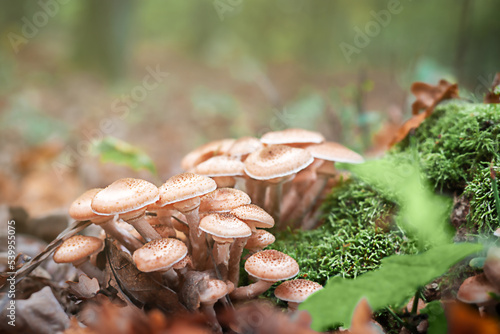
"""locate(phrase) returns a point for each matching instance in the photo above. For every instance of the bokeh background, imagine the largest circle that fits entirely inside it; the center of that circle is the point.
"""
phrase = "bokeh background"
(167, 76)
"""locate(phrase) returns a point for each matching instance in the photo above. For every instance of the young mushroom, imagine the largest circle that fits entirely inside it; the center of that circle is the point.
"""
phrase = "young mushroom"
(77, 250)
(293, 137)
(222, 169)
(477, 290)
(259, 240)
(128, 198)
(223, 200)
(296, 291)
(81, 210)
(269, 267)
(215, 290)
(183, 191)
(205, 152)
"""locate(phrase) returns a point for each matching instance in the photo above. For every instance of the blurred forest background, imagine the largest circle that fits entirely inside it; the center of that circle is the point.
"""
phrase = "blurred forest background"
(167, 76)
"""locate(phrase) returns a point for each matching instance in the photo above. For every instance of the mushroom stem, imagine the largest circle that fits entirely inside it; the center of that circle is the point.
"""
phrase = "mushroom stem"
(251, 291)
(196, 238)
(234, 260)
(221, 255)
(208, 310)
(172, 278)
(259, 193)
(274, 195)
(310, 198)
(144, 228)
(89, 269)
(293, 306)
(122, 236)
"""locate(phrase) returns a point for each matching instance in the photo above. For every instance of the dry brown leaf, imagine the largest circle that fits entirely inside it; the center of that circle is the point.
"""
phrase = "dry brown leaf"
(463, 319)
(491, 97)
(362, 322)
(85, 288)
(190, 291)
(76, 328)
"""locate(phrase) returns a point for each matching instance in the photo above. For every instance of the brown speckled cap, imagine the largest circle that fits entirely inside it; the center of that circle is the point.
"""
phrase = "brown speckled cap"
(124, 195)
(272, 266)
(292, 136)
(224, 225)
(205, 152)
(276, 161)
(81, 210)
(259, 240)
(185, 262)
(243, 146)
(76, 248)
(476, 290)
(220, 166)
(223, 200)
(297, 290)
(185, 186)
(331, 151)
(215, 290)
(159, 254)
(253, 214)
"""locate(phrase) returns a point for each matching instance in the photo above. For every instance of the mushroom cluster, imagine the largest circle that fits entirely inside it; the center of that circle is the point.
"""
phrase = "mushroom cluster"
(200, 221)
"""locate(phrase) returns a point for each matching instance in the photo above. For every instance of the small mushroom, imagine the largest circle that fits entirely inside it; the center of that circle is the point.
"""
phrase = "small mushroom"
(215, 290)
(268, 267)
(296, 291)
(223, 200)
(477, 290)
(77, 250)
(293, 137)
(259, 240)
(205, 152)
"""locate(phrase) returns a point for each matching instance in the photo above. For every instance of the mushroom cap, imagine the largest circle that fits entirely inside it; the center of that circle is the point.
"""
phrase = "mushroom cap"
(223, 200)
(224, 225)
(243, 146)
(254, 214)
(271, 265)
(185, 186)
(77, 248)
(205, 152)
(292, 136)
(297, 290)
(186, 261)
(159, 254)
(81, 208)
(124, 195)
(260, 239)
(475, 290)
(331, 151)
(224, 181)
(327, 168)
(215, 290)
(276, 161)
(220, 166)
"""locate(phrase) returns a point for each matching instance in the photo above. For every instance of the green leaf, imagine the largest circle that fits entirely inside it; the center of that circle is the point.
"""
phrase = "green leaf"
(397, 279)
(111, 149)
(436, 318)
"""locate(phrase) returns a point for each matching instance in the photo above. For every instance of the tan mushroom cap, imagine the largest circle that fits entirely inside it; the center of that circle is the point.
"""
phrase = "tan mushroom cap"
(223, 200)
(260, 239)
(243, 146)
(159, 254)
(124, 195)
(186, 261)
(215, 290)
(254, 214)
(476, 290)
(276, 161)
(185, 186)
(331, 151)
(205, 152)
(81, 208)
(224, 225)
(77, 248)
(297, 290)
(292, 136)
(220, 166)
(272, 266)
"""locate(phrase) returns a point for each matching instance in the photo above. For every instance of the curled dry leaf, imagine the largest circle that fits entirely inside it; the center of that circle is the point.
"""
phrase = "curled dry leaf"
(463, 319)
(428, 97)
(493, 95)
(85, 288)
(362, 322)
(190, 292)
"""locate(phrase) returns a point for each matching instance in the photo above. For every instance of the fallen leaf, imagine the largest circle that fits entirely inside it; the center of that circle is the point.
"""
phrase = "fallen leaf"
(362, 322)
(463, 319)
(493, 95)
(190, 291)
(85, 288)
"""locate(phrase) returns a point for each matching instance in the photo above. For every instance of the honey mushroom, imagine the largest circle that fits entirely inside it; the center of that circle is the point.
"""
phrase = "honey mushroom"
(259, 240)
(296, 291)
(222, 169)
(128, 198)
(205, 152)
(215, 290)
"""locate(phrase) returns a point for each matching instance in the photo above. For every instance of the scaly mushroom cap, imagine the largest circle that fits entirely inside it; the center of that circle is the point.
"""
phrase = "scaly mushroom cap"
(331, 151)
(254, 214)
(297, 290)
(292, 136)
(77, 248)
(224, 225)
(81, 208)
(276, 161)
(159, 254)
(272, 266)
(124, 195)
(244, 145)
(186, 261)
(215, 290)
(260, 239)
(205, 152)
(476, 290)
(223, 200)
(220, 166)
(185, 186)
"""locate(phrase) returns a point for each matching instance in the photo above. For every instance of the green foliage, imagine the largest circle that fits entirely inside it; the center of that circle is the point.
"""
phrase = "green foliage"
(397, 279)
(436, 318)
(111, 149)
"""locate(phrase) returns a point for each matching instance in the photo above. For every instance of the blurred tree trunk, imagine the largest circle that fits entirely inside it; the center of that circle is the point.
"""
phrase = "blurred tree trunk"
(102, 36)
